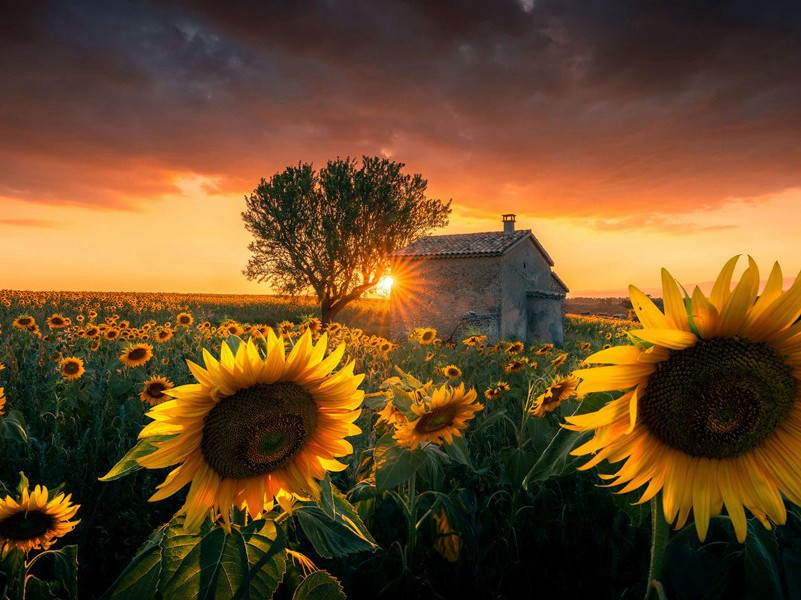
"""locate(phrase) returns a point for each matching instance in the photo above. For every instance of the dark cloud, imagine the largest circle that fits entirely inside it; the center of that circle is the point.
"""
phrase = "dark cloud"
(590, 109)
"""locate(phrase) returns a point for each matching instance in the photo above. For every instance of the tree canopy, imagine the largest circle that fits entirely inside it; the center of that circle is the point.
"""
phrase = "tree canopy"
(334, 231)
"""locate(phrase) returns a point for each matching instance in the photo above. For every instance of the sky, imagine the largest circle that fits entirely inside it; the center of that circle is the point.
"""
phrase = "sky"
(628, 135)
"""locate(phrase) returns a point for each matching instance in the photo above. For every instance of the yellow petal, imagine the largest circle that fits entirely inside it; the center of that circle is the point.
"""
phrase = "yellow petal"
(722, 287)
(669, 338)
(675, 309)
(647, 312)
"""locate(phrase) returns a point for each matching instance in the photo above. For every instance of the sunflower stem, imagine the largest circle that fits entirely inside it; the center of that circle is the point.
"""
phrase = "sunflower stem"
(660, 534)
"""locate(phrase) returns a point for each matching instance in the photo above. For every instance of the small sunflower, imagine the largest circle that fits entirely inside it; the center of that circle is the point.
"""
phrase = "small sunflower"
(544, 349)
(92, 331)
(710, 414)
(516, 365)
(390, 414)
(557, 392)
(71, 368)
(57, 321)
(253, 426)
(34, 520)
(136, 355)
(2, 401)
(559, 360)
(112, 333)
(163, 335)
(184, 319)
(515, 348)
(444, 416)
(153, 392)
(474, 340)
(452, 372)
(427, 336)
(23, 322)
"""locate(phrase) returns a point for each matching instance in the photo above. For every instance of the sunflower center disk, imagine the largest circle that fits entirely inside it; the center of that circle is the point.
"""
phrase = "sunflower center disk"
(437, 419)
(22, 526)
(719, 398)
(258, 430)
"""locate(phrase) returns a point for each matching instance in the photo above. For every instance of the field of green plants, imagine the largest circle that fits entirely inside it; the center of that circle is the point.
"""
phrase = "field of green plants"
(499, 511)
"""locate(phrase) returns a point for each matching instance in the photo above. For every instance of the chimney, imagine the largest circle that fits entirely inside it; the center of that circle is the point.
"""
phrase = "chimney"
(508, 223)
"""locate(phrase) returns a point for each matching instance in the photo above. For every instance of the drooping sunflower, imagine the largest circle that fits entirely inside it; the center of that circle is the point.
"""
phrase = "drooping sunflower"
(559, 360)
(154, 390)
(451, 371)
(516, 365)
(390, 414)
(252, 426)
(2, 401)
(34, 520)
(710, 414)
(184, 319)
(447, 541)
(559, 390)
(544, 349)
(136, 355)
(515, 348)
(71, 368)
(441, 418)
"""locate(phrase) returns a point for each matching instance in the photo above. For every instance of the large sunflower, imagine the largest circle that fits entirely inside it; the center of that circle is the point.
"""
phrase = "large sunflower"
(253, 426)
(34, 521)
(439, 419)
(710, 414)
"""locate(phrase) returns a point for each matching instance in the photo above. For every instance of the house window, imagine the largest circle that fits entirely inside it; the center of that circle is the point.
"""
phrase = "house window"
(524, 265)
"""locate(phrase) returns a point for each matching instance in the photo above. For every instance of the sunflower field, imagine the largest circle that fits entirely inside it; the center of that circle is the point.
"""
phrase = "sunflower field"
(182, 446)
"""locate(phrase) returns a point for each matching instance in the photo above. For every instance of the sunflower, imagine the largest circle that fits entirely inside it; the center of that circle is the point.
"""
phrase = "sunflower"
(57, 321)
(284, 327)
(447, 542)
(439, 419)
(710, 414)
(23, 322)
(254, 426)
(559, 360)
(112, 333)
(153, 392)
(390, 414)
(559, 390)
(163, 335)
(515, 348)
(544, 349)
(452, 372)
(2, 401)
(184, 319)
(71, 368)
(92, 331)
(516, 365)
(136, 355)
(34, 521)
(474, 340)
(333, 327)
(427, 336)
(494, 392)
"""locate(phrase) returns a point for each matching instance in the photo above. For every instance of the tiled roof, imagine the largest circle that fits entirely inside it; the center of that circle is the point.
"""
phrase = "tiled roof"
(545, 294)
(464, 245)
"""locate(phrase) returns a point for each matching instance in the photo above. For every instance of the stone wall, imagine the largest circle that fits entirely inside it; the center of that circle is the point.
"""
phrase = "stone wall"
(545, 320)
(523, 268)
(440, 292)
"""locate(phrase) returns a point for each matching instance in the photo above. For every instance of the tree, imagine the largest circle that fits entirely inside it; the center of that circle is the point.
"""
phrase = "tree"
(334, 231)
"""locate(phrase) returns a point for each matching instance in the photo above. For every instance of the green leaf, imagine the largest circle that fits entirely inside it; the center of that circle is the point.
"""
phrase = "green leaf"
(516, 464)
(344, 534)
(66, 570)
(320, 585)
(458, 452)
(761, 562)
(128, 463)
(556, 459)
(210, 564)
(12, 427)
(247, 563)
(326, 499)
(140, 579)
(394, 464)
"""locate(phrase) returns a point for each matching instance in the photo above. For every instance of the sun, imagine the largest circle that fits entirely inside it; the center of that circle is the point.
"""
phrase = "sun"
(384, 286)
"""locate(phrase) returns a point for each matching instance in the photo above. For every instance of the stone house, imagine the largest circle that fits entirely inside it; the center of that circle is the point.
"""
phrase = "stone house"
(498, 283)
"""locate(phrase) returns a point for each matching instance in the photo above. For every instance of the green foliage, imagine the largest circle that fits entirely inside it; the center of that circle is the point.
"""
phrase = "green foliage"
(319, 586)
(334, 230)
(248, 562)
